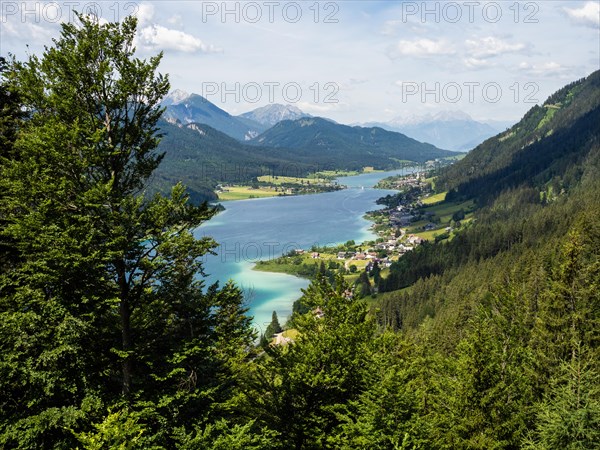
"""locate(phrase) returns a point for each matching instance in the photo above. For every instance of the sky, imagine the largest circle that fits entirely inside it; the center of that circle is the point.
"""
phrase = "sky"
(351, 61)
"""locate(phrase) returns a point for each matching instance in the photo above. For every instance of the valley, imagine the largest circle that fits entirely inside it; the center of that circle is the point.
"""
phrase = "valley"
(199, 135)
(182, 274)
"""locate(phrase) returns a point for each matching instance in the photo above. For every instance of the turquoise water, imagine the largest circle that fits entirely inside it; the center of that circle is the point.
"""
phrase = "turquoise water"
(259, 229)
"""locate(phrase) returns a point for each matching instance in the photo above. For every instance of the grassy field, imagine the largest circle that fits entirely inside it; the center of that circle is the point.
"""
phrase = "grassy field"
(430, 235)
(288, 267)
(329, 174)
(551, 110)
(272, 266)
(291, 180)
(245, 192)
(445, 210)
(437, 198)
(457, 157)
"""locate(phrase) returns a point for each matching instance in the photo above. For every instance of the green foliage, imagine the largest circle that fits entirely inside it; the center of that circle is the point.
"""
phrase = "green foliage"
(119, 430)
(226, 436)
(273, 328)
(303, 387)
(489, 394)
(569, 415)
(104, 301)
(11, 116)
(386, 414)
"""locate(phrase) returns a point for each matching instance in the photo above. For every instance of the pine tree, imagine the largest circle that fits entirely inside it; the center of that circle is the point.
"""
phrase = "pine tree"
(303, 388)
(273, 328)
(569, 416)
(569, 311)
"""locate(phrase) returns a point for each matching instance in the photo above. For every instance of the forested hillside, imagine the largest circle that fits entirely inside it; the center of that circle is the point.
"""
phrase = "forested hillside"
(329, 142)
(515, 294)
(109, 337)
(514, 178)
(546, 148)
(201, 157)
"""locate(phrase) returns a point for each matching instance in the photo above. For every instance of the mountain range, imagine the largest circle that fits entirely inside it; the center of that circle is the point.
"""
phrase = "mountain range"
(185, 108)
(202, 157)
(452, 130)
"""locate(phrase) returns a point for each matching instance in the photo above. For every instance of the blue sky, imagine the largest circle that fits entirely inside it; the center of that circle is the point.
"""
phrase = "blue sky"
(352, 61)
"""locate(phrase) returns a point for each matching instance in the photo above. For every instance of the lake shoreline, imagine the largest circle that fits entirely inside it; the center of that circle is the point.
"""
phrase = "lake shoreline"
(249, 231)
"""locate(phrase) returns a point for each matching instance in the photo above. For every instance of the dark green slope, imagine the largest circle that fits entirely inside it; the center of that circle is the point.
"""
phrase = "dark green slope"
(533, 189)
(546, 144)
(201, 157)
(357, 147)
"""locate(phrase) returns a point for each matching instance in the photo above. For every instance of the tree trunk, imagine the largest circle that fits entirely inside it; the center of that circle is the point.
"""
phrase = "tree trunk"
(126, 339)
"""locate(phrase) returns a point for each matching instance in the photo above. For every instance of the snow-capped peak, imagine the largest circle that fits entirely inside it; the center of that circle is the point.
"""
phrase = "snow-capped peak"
(271, 114)
(175, 97)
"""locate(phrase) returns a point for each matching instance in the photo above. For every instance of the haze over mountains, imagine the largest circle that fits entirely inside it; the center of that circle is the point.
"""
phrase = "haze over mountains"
(454, 130)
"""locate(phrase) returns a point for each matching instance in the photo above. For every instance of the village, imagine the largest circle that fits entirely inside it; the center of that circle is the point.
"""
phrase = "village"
(408, 219)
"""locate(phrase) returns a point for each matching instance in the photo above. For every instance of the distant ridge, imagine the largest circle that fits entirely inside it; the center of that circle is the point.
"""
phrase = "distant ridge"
(356, 146)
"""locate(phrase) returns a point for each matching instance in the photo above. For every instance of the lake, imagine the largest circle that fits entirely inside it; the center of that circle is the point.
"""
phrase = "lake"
(250, 230)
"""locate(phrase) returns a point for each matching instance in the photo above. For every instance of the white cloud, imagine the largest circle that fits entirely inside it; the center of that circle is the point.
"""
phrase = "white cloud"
(420, 48)
(351, 83)
(476, 63)
(320, 108)
(588, 14)
(490, 46)
(162, 38)
(144, 14)
(29, 32)
(550, 68)
(389, 27)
